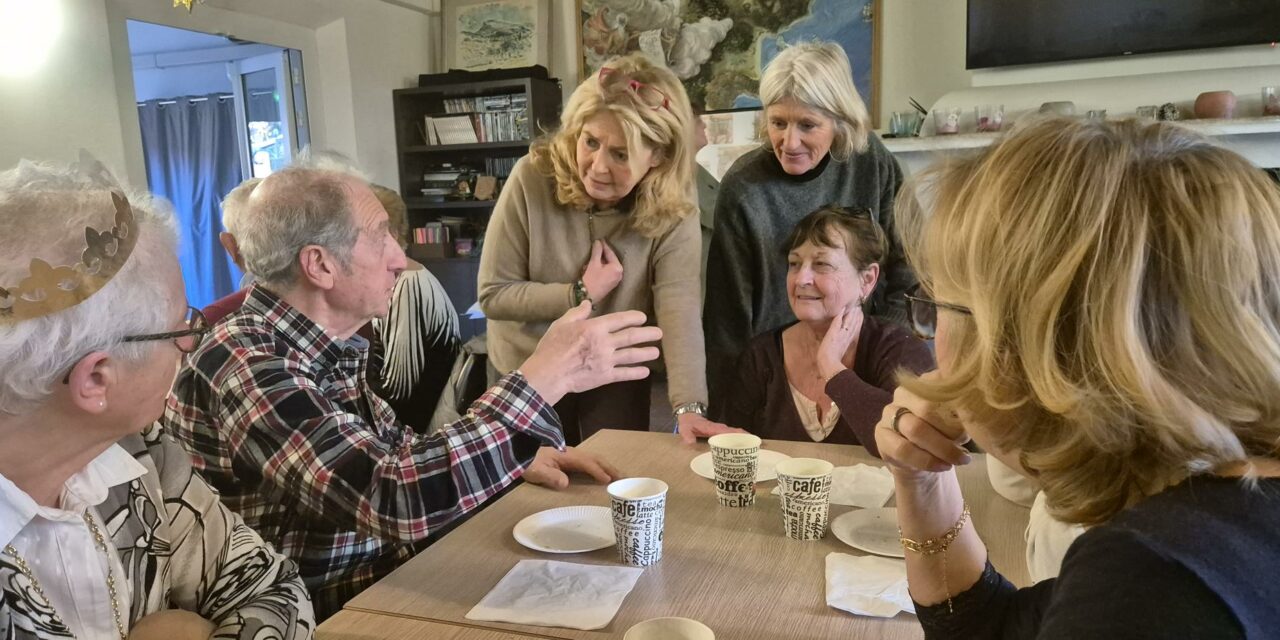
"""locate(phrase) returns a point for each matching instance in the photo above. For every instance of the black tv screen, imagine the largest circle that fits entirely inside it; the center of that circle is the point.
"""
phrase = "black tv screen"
(1012, 32)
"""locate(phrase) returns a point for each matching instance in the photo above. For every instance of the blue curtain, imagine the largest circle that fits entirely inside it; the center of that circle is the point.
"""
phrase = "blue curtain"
(192, 161)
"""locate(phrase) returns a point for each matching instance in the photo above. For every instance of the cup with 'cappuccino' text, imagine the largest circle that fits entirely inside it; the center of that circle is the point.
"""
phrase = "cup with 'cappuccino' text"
(639, 507)
(735, 457)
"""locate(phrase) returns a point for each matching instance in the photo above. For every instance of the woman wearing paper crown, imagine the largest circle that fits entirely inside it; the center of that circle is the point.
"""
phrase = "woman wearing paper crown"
(602, 211)
(105, 532)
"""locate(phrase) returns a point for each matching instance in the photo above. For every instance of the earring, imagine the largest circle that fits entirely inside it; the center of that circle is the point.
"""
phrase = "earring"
(102, 404)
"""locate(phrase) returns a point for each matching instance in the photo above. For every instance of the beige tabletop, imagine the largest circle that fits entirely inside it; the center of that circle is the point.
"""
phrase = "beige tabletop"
(358, 625)
(732, 569)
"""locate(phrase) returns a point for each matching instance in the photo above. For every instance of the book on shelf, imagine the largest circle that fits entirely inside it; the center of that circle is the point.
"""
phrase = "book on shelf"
(456, 129)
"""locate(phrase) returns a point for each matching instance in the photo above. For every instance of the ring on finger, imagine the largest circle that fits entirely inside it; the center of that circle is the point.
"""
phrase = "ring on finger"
(897, 415)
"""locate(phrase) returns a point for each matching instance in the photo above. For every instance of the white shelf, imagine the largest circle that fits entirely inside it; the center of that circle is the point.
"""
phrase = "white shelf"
(1234, 127)
(940, 143)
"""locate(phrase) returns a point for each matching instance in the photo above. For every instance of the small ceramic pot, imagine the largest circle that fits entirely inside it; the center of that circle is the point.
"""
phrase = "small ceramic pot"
(1169, 111)
(1215, 104)
(1059, 108)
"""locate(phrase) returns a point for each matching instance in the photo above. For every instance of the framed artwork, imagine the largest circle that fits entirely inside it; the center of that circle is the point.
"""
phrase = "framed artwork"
(719, 47)
(495, 34)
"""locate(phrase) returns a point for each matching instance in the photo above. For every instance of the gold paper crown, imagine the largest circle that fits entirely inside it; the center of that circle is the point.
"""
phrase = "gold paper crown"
(48, 289)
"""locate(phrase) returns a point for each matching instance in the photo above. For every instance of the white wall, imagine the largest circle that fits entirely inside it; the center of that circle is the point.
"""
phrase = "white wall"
(84, 95)
(70, 102)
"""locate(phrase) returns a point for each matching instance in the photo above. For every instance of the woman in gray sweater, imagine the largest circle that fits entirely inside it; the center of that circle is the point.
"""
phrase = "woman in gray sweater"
(821, 151)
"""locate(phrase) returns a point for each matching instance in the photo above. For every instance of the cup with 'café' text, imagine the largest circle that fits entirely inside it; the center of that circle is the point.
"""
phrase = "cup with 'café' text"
(805, 485)
(639, 507)
(735, 457)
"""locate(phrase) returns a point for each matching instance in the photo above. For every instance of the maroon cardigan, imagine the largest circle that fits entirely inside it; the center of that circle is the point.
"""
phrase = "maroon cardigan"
(761, 400)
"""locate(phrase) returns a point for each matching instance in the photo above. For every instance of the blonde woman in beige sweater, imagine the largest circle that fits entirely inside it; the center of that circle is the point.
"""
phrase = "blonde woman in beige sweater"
(603, 209)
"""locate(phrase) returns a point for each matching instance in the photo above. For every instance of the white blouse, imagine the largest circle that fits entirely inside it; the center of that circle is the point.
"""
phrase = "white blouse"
(59, 548)
(818, 428)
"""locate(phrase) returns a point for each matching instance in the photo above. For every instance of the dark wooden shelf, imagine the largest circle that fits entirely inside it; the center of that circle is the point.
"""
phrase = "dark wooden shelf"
(423, 203)
(516, 145)
(455, 259)
(410, 106)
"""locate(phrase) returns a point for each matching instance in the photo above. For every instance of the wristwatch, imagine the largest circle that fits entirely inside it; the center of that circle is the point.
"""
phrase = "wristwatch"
(580, 294)
(691, 407)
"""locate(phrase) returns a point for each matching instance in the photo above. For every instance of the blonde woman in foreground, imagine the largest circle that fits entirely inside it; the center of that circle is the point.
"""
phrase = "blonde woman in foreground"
(1106, 301)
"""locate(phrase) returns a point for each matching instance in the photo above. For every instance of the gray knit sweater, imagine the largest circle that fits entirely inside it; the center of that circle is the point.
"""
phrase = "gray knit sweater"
(758, 205)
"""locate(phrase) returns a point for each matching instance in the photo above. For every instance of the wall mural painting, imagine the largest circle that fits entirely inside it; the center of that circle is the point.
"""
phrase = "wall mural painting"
(718, 47)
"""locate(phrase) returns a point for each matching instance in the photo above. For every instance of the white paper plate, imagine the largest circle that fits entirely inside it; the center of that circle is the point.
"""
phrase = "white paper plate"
(566, 530)
(703, 466)
(872, 530)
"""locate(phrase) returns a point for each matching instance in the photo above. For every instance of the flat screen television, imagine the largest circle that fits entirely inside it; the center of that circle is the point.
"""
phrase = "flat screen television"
(1014, 32)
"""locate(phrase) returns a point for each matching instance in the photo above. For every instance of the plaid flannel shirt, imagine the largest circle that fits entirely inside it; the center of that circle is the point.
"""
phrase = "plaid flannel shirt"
(280, 419)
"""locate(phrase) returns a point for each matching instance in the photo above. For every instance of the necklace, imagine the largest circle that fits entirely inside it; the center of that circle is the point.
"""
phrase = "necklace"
(101, 543)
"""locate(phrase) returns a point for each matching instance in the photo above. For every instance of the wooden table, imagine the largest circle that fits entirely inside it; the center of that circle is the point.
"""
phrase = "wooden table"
(357, 625)
(732, 569)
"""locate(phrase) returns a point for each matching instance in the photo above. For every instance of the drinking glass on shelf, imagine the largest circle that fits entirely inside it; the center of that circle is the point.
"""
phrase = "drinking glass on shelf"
(990, 117)
(1270, 101)
(946, 121)
(904, 124)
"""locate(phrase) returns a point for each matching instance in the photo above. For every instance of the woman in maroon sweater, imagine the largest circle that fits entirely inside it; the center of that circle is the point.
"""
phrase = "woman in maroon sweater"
(827, 377)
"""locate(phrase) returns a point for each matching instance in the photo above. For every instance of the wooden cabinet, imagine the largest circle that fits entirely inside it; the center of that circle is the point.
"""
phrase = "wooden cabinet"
(541, 99)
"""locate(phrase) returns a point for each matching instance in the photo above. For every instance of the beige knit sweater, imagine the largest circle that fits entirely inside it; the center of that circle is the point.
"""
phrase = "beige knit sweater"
(535, 249)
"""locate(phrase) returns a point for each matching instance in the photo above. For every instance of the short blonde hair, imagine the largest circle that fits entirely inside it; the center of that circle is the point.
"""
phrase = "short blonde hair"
(818, 75)
(665, 195)
(1124, 282)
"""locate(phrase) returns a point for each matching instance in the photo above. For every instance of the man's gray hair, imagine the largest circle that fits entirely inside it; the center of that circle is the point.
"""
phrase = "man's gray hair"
(290, 210)
(234, 203)
(44, 210)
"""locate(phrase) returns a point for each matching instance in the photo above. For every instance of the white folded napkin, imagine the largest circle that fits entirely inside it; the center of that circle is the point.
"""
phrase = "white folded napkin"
(868, 585)
(548, 593)
(861, 485)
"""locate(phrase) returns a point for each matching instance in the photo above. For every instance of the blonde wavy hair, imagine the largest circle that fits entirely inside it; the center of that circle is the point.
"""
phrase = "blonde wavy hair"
(1124, 283)
(664, 196)
(817, 74)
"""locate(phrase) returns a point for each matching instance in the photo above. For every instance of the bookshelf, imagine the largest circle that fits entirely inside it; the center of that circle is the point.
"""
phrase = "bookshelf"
(417, 156)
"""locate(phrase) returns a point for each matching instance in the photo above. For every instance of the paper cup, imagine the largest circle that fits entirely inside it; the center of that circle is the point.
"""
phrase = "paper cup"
(639, 508)
(805, 485)
(670, 629)
(735, 457)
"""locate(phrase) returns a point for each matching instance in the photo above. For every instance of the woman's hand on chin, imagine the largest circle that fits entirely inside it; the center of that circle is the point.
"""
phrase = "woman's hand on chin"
(919, 438)
(841, 335)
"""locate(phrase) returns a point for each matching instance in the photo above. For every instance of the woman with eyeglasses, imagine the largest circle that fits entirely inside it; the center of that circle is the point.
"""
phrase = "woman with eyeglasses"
(827, 376)
(602, 212)
(105, 531)
(821, 150)
(1106, 304)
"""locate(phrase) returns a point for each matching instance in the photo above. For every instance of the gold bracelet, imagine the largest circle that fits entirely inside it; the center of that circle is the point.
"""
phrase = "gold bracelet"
(938, 545)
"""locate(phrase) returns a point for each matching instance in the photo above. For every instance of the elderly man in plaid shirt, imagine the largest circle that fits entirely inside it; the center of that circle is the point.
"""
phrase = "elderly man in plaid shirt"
(276, 411)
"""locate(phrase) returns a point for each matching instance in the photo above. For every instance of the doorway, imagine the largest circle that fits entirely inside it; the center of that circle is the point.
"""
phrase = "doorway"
(214, 110)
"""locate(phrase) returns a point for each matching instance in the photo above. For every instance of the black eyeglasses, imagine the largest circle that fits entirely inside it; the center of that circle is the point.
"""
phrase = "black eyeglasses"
(922, 312)
(197, 328)
(186, 340)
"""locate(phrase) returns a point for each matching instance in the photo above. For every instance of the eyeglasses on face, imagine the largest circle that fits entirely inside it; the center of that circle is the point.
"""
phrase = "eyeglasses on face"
(922, 312)
(186, 340)
(649, 95)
